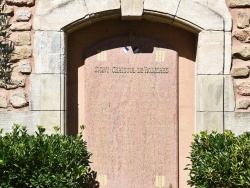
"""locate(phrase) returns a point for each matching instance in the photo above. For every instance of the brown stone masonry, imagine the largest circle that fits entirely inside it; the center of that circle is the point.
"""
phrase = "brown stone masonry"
(15, 96)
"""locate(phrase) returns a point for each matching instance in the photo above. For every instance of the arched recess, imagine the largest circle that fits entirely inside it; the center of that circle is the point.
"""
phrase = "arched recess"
(63, 24)
(184, 43)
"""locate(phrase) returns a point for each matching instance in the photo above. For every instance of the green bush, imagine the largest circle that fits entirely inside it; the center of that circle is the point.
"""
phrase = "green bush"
(43, 161)
(6, 48)
(220, 160)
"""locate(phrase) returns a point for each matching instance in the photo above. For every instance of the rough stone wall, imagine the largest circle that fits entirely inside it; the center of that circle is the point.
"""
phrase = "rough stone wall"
(240, 11)
(15, 96)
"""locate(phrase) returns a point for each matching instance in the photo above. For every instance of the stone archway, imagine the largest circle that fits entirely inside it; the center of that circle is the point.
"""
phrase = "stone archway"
(210, 20)
(79, 43)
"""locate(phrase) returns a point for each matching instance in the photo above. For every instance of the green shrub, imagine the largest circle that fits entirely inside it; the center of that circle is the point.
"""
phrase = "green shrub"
(220, 160)
(6, 48)
(42, 160)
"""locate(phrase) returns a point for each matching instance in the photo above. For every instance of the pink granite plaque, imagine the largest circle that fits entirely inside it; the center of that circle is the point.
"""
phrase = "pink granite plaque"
(131, 113)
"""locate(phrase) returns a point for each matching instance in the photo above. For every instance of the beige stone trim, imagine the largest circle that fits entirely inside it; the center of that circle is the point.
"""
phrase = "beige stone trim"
(237, 121)
(57, 16)
(209, 93)
(209, 121)
(209, 18)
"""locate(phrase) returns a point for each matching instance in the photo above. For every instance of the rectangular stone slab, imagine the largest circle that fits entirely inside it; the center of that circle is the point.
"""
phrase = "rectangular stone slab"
(131, 112)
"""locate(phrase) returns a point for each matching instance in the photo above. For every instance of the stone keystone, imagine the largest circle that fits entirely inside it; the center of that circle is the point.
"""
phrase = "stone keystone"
(21, 52)
(20, 26)
(242, 35)
(243, 88)
(239, 3)
(3, 101)
(18, 100)
(242, 20)
(240, 72)
(21, 2)
(242, 53)
(23, 39)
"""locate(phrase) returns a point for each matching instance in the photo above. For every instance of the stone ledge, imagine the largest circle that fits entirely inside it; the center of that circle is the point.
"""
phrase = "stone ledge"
(31, 119)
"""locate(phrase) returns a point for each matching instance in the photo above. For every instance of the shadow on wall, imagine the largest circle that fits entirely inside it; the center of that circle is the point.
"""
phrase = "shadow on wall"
(80, 41)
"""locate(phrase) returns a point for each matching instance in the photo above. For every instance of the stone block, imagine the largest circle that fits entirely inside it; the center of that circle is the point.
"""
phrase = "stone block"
(19, 99)
(49, 41)
(100, 5)
(56, 15)
(28, 119)
(19, 81)
(243, 104)
(49, 52)
(47, 92)
(20, 26)
(200, 15)
(3, 101)
(49, 119)
(221, 8)
(23, 39)
(210, 52)
(15, 83)
(8, 11)
(242, 35)
(239, 3)
(228, 53)
(132, 9)
(24, 66)
(49, 63)
(161, 6)
(21, 52)
(210, 121)
(242, 20)
(35, 92)
(21, 2)
(229, 97)
(242, 52)
(210, 93)
(238, 122)
(23, 15)
(242, 87)
(242, 72)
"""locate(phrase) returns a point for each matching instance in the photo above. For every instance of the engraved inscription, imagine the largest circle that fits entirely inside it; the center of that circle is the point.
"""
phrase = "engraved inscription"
(154, 70)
